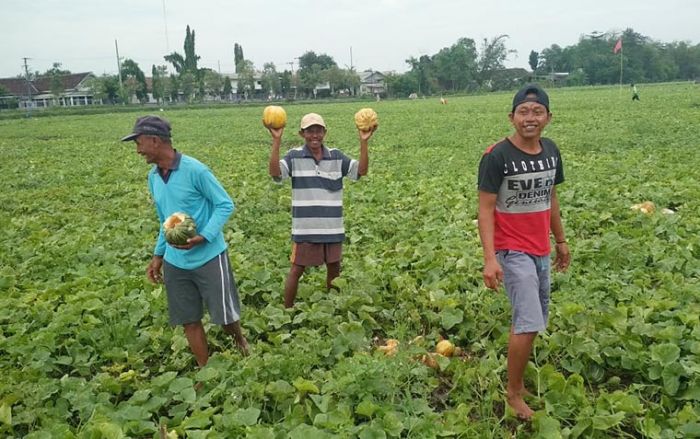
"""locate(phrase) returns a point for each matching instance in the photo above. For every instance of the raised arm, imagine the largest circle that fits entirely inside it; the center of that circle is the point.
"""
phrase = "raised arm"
(274, 165)
(363, 166)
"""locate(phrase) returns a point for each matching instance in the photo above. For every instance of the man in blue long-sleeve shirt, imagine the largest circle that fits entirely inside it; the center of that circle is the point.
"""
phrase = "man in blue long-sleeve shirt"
(197, 272)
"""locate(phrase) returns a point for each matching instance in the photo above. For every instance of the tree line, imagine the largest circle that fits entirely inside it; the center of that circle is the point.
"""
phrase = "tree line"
(190, 83)
(461, 67)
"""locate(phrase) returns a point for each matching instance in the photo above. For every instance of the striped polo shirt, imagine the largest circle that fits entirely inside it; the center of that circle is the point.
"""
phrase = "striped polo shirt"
(317, 193)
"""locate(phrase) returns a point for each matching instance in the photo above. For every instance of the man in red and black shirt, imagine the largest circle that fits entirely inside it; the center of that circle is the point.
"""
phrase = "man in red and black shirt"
(518, 208)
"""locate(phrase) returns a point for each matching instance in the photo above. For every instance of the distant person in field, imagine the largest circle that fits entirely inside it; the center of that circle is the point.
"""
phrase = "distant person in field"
(317, 175)
(198, 272)
(635, 93)
(518, 208)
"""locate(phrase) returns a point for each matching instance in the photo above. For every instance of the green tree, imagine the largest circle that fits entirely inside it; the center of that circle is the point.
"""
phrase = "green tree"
(552, 59)
(213, 83)
(159, 75)
(334, 76)
(401, 85)
(246, 79)
(349, 80)
(455, 67)
(56, 75)
(534, 60)
(191, 57)
(492, 57)
(286, 83)
(270, 79)
(592, 60)
(134, 80)
(423, 70)
(237, 55)
(188, 86)
(172, 88)
(227, 90)
(188, 62)
(177, 60)
(312, 69)
(687, 59)
(105, 88)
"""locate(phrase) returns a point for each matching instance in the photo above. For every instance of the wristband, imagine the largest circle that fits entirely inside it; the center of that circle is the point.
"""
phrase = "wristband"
(561, 242)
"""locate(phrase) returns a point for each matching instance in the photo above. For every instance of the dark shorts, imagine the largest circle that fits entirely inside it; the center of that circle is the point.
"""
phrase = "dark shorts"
(211, 284)
(309, 254)
(526, 278)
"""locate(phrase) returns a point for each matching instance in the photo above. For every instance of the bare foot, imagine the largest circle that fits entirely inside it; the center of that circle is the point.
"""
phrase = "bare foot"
(242, 346)
(526, 394)
(521, 409)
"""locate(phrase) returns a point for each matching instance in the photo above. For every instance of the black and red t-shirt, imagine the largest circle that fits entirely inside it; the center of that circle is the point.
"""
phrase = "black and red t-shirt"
(524, 185)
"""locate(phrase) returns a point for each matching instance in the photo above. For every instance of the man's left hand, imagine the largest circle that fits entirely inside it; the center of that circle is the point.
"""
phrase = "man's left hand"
(562, 258)
(191, 243)
(365, 135)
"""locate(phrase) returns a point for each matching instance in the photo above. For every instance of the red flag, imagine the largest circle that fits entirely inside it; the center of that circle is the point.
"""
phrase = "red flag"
(618, 46)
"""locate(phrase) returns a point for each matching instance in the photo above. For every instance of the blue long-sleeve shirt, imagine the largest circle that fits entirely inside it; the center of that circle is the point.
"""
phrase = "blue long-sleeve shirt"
(191, 187)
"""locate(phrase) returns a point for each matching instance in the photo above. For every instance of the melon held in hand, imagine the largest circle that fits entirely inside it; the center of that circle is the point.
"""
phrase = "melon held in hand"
(366, 119)
(178, 228)
(274, 117)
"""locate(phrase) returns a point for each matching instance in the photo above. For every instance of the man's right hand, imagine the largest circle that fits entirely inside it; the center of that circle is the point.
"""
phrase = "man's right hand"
(154, 270)
(493, 274)
(276, 133)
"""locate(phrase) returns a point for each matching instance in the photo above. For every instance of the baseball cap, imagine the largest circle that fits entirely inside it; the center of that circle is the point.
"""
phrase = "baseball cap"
(149, 125)
(540, 96)
(312, 119)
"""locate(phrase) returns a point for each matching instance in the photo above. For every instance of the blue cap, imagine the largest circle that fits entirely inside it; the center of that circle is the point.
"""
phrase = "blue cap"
(531, 93)
(150, 126)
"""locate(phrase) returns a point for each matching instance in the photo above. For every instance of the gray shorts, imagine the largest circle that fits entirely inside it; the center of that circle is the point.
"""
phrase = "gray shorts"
(211, 284)
(526, 278)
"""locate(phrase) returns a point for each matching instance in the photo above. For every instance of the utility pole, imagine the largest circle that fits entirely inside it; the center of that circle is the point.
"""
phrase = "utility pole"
(119, 68)
(29, 88)
(351, 66)
(294, 79)
(165, 19)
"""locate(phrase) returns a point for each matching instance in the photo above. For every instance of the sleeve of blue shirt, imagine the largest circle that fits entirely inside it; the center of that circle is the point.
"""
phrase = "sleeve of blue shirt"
(212, 190)
(159, 250)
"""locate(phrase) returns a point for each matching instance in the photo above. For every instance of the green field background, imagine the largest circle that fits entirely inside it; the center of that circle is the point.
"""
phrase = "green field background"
(86, 350)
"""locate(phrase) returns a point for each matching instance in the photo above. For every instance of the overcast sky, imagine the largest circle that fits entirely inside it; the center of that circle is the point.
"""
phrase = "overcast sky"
(81, 34)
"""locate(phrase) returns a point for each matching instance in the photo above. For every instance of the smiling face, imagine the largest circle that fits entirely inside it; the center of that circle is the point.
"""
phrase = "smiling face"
(529, 119)
(147, 147)
(313, 136)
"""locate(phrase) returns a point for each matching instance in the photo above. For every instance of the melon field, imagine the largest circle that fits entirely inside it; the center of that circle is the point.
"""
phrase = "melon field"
(85, 346)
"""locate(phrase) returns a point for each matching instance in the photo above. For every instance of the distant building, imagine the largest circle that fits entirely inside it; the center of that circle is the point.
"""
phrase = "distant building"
(74, 91)
(372, 82)
(503, 79)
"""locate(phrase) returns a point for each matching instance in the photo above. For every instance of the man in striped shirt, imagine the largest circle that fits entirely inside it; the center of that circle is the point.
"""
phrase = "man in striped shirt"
(317, 198)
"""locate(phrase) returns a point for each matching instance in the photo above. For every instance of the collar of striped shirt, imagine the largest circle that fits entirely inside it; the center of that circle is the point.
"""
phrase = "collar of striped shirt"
(306, 152)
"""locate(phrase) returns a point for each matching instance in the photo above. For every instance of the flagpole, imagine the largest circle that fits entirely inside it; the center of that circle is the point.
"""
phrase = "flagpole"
(621, 49)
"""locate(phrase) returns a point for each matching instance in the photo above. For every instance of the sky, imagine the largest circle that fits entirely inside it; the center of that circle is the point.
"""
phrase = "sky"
(365, 34)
